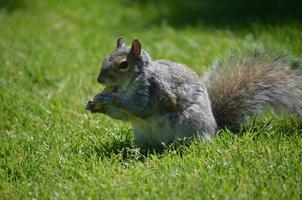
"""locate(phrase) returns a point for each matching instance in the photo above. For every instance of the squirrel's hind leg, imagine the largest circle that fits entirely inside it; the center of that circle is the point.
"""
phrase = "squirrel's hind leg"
(195, 122)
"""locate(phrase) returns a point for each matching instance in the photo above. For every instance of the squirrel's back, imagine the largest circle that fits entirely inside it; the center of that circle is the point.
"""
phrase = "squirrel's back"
(245, 84)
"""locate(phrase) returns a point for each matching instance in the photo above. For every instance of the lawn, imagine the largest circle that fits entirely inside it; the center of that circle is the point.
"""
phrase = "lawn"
(52, 148)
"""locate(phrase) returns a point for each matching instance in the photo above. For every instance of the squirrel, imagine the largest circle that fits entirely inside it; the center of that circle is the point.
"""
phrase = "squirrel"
(165, 101)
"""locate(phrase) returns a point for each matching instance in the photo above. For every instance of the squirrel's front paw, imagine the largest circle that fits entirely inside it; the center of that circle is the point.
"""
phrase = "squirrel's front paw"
(103, 98)
(94, 106)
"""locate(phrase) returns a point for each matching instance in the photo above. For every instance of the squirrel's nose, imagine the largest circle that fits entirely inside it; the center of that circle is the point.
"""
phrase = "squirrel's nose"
(100, 80)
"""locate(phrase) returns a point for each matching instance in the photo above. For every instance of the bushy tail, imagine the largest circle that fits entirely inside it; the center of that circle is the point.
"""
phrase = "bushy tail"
(247, 83)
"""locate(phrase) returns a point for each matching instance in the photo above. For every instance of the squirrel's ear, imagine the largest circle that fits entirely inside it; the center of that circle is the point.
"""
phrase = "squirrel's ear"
(136, 48)
(120, 42)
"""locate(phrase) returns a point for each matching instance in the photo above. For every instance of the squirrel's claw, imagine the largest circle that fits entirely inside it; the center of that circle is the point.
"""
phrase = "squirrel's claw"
(98, 102)
(89, 105)
(93, 106)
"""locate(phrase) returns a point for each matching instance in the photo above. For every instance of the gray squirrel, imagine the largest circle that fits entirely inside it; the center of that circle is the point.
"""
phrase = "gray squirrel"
(165, 101)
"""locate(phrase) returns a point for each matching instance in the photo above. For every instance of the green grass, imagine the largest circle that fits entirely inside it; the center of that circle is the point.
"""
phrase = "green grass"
(51, 148)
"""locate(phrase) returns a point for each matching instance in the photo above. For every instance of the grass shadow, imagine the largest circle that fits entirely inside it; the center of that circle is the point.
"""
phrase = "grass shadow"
(220, 13)
(124, 149)
(121, 148)
(11, 5)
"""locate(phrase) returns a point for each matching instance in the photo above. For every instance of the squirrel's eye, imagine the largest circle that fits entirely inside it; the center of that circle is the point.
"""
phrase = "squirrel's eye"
(123, 65)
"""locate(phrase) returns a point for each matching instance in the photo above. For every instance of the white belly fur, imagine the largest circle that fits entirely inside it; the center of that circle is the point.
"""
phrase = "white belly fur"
(154, 130)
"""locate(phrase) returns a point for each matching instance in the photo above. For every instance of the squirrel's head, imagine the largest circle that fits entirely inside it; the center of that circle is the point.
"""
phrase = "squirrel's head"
(122, 66)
